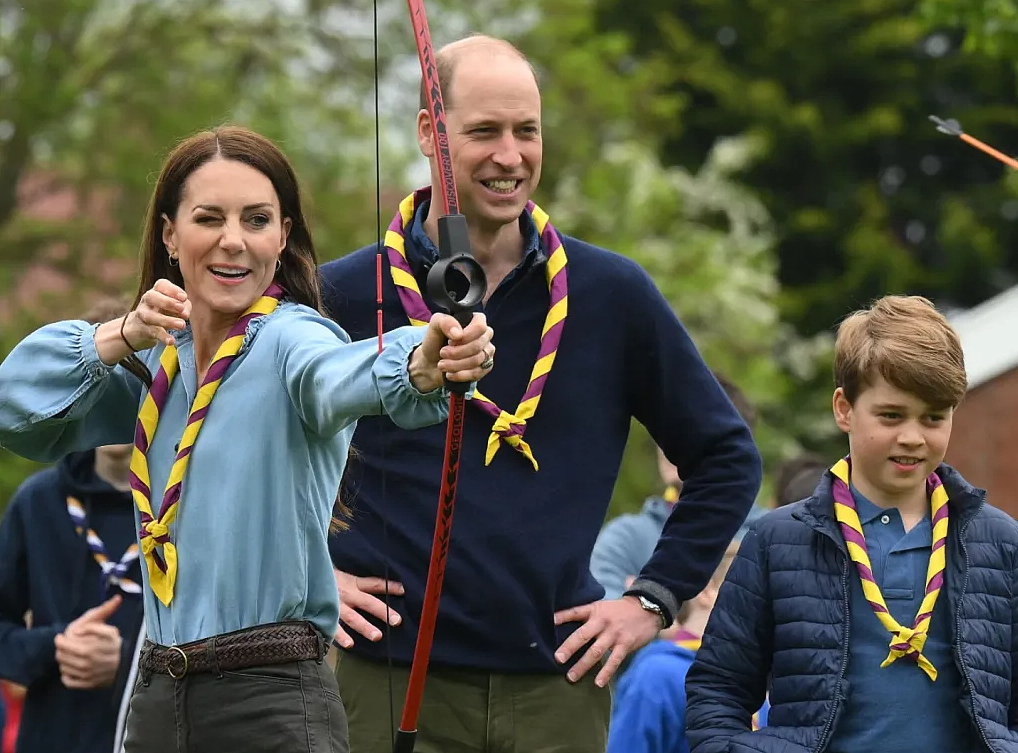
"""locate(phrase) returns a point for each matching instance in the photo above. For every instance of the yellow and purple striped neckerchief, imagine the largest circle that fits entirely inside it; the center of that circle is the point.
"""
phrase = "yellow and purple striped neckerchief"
(905, 641)
(507, 427)
(155, 530)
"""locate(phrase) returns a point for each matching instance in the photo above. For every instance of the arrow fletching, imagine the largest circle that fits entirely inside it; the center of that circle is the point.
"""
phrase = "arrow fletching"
(951, 127)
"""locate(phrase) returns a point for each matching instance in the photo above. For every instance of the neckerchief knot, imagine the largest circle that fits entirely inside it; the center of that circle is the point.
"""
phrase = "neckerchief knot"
(509, 428)
(156, 530)
(114, 573)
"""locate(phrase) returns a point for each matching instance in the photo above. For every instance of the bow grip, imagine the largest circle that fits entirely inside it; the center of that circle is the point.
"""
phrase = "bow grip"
(456, 282)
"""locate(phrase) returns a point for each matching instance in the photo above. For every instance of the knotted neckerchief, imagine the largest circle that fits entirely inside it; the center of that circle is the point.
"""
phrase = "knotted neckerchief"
(114, 573)
(508, 427)
(155, 531)
(905, 641)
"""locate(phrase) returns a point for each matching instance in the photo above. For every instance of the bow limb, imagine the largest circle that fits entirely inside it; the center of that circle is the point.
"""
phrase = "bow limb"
(455, 261)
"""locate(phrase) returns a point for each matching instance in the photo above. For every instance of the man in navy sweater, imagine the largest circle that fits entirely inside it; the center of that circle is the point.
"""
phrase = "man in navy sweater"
(75, 655)
(586, 342)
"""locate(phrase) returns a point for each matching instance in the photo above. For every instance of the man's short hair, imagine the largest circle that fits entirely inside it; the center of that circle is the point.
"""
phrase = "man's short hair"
(905, 340)
(448, 56)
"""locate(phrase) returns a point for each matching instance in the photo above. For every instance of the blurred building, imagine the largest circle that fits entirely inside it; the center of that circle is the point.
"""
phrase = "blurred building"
(984, 445)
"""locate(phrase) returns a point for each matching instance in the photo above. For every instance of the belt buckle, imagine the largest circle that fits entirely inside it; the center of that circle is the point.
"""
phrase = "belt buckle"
(169, 669)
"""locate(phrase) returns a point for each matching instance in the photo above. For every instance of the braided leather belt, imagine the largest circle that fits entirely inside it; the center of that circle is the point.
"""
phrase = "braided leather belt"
(278, 643)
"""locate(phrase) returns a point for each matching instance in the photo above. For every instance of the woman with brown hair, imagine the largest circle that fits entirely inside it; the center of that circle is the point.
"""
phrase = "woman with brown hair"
(241, 401)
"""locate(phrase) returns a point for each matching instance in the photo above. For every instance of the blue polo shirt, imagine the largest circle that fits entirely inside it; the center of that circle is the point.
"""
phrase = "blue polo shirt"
(898, 708)
(532, 252)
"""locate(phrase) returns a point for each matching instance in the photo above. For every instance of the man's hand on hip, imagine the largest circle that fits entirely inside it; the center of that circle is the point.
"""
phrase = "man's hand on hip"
(356, 596)
(620, 626)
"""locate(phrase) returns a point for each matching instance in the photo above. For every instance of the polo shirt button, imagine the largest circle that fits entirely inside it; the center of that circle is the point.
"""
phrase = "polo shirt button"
(885, 519)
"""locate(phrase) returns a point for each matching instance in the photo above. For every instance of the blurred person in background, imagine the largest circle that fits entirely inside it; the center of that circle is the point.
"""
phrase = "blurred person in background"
(649, 708)
(627, 541)
(797, 478)
(69, 558)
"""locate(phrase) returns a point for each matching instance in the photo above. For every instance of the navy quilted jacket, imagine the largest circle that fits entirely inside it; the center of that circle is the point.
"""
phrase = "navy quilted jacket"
(780, 627)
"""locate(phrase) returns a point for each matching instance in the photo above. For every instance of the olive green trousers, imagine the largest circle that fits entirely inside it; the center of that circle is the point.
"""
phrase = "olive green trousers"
(466, 711)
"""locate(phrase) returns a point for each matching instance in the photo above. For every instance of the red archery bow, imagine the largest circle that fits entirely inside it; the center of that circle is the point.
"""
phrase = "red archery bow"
(456, 283)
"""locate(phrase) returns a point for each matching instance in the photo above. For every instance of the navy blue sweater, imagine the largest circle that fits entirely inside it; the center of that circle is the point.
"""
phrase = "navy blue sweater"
(46, 567)
(522, 540)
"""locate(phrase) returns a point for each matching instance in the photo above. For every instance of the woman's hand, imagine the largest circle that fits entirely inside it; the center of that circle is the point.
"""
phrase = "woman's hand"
(463, 354)
(162, 308)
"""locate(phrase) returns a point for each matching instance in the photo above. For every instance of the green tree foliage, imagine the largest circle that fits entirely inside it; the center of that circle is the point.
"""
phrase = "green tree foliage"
(708, 243)
(867, 197)
(990, 26)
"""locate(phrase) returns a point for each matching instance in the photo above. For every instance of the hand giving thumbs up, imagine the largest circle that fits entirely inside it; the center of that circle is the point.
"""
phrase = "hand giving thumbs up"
(88, 651)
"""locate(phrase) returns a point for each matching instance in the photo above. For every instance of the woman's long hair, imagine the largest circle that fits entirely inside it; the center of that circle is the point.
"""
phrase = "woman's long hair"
(298, 270)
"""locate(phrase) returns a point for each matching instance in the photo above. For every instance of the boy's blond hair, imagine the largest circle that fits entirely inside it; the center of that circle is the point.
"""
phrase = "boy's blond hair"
(905, 340)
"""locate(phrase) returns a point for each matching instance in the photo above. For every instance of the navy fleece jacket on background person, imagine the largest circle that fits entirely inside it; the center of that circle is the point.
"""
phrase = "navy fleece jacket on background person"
(48, 568)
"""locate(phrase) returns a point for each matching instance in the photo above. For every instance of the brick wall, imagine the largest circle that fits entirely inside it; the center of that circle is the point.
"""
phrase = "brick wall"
(984, 443)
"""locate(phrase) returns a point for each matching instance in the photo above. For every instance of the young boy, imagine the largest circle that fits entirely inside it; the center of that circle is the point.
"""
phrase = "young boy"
(880, 613)
(648, 714)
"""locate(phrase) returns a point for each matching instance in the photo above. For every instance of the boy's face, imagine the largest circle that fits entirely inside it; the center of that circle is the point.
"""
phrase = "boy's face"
(896, 439)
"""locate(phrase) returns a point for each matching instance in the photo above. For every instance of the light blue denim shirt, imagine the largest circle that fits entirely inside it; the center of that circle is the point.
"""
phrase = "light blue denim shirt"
(257, 499)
